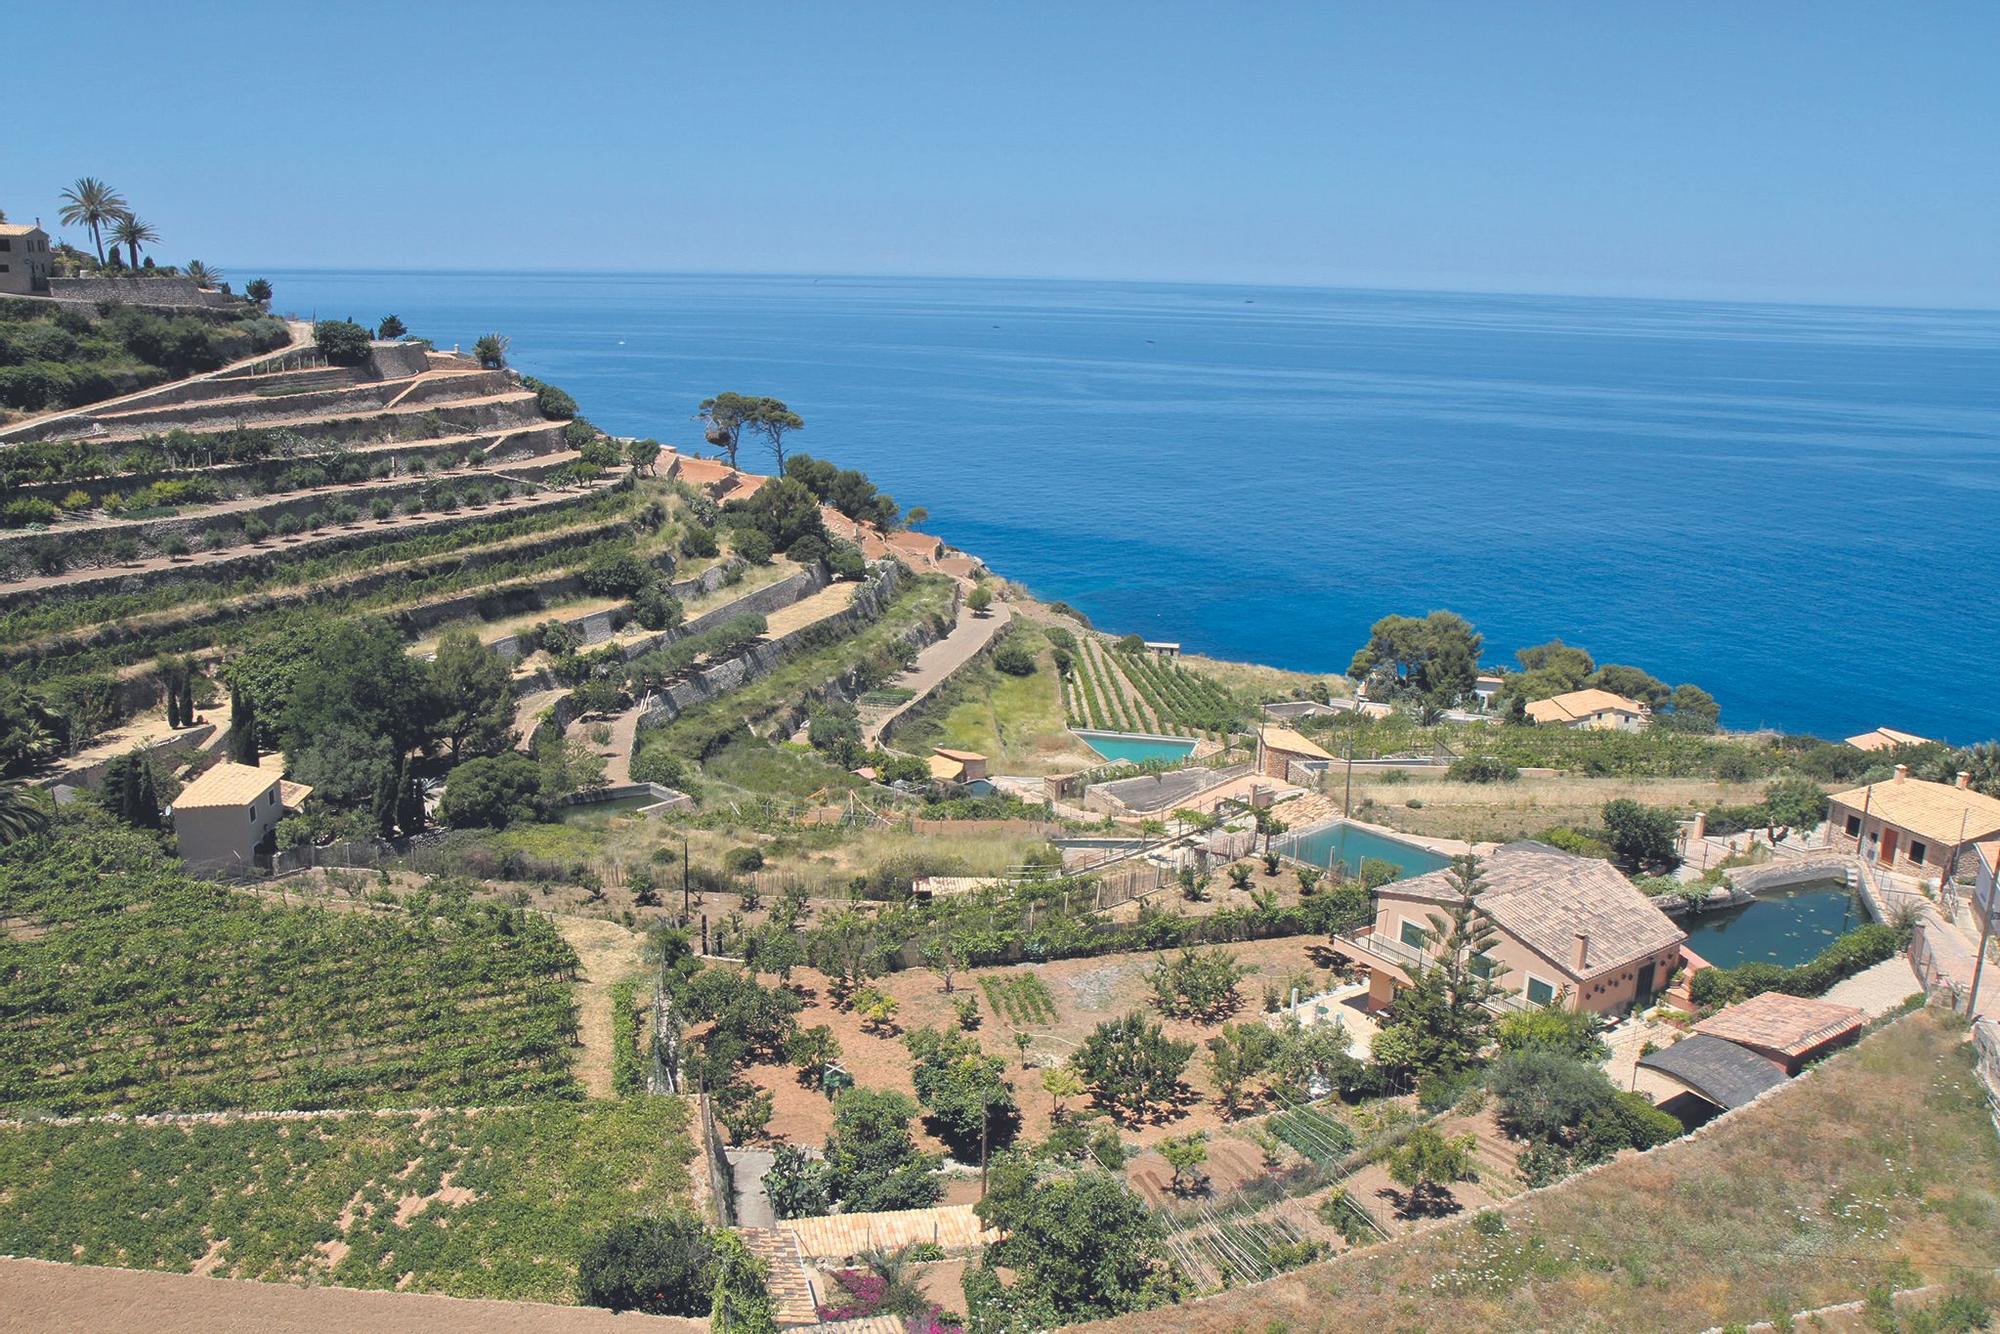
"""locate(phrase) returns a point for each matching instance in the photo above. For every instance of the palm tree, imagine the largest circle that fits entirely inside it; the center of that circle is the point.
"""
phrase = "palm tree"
(203, 275)
(132, 233)
(93, 204)
(20, 813)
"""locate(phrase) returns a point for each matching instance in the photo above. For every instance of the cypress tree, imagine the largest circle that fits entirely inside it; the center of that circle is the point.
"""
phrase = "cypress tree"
(242, 727)
(174, 719)
(386, 802)
(410, 805)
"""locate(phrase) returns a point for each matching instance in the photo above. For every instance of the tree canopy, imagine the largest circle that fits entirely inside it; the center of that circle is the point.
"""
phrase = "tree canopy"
(1435, 655)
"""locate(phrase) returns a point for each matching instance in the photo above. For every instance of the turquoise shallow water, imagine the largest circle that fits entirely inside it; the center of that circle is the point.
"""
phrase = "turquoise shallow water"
(1790, 505)
(1125, 748)
(1779, 928)
(1348, 845)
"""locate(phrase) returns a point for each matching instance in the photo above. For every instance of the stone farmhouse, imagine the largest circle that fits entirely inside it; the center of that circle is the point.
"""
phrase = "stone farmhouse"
(1596, 710)
(1912, 826)
(1569, 931)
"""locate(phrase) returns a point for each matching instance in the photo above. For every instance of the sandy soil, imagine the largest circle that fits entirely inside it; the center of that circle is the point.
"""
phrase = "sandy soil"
(1086, 992)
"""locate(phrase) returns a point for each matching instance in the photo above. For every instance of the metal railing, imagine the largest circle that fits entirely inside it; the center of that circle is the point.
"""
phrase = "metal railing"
(1408, 957)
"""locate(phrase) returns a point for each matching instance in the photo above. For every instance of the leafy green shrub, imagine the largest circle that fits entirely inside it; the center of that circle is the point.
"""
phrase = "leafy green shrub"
(25, 510)
(1014, 660)
(657, 1265)
(699, 543)
(342, 342)
(742, 861)
(1482, 769)
(552, 401)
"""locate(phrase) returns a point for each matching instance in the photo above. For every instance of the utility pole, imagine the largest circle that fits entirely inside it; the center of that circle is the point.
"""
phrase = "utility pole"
(686, 907)
(1347, 802)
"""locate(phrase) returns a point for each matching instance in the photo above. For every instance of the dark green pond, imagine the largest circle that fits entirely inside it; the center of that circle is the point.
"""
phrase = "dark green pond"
(1785, 928)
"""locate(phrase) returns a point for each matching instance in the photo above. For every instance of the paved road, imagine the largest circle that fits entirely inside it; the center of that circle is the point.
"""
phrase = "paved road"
(747, 1167)
(937, 662)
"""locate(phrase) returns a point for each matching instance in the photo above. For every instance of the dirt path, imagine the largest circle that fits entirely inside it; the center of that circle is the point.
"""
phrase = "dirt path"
(939, 661)
(609, 953)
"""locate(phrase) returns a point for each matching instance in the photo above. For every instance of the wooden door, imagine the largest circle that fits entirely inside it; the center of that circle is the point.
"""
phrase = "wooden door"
(1888, 847)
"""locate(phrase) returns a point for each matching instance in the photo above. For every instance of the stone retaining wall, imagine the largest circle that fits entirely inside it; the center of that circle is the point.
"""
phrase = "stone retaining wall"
(152, 535)
(518, 444)
(118, 632)
(761, 659)
(512, 648)
(174, 293)
(113, 580)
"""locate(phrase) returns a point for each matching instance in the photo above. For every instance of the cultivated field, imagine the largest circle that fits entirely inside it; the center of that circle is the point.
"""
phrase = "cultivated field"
(1880, 1170)
(489, 1203)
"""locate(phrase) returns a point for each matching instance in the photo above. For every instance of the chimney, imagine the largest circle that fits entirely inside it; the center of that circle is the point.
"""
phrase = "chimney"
(1902, 772)
(1964, 779)
(1582, 957)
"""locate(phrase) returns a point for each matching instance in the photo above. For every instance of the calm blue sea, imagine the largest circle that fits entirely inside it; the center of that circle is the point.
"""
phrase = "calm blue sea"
(1796, 507)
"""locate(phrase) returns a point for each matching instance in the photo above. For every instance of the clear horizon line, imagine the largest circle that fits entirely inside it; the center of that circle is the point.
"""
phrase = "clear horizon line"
(1821, 303)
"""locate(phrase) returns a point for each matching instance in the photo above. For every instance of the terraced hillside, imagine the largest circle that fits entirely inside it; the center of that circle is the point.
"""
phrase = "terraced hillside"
(195, 518)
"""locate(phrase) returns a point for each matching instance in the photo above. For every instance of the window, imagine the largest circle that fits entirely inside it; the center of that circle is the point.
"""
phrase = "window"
(253, 815)
(1854, 826)
(1540, 992)
(1917, 851)
(1413, 935)
(6, 244)
(1484, 965)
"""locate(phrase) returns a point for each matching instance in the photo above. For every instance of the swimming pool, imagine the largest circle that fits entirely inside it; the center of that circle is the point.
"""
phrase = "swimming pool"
(1349, 845)
(1136, 747)
(1784, 928)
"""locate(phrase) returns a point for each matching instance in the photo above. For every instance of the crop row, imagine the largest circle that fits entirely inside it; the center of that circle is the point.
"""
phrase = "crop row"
(1179, 697)
(145, 990)
(1022, 999)
(496, 1203)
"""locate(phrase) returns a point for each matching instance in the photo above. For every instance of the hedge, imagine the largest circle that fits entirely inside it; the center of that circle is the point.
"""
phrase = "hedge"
(1861, 948)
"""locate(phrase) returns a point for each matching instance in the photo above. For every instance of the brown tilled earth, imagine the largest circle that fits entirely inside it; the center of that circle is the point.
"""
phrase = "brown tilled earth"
(40, 1296)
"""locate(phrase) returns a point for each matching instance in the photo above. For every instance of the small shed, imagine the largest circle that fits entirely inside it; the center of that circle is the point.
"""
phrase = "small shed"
(1790, 1030)
(1716, 1070)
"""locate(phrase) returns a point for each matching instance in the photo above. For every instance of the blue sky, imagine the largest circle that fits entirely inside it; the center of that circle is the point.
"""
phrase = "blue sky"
(1832, 151)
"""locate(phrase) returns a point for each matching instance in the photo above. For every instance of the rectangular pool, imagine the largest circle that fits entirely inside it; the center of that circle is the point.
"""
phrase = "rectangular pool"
(1786, 928)
(1348, 846)
(1136, 747)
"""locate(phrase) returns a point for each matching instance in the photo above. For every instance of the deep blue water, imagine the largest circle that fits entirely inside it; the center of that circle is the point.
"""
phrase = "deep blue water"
(1797, 507)
(1779, 928)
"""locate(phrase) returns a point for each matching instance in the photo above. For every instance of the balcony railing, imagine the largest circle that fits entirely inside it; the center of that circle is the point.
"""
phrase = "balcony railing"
(1408, 957)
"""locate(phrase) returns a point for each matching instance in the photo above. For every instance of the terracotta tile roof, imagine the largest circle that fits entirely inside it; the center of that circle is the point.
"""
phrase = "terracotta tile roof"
(1793, 1025)
(1989, 852)
(946, 769)
(747, 484)
(951, 754)
(1886, 738)
(17, 228)
(1938, 812)
(922, 544)
(1577, 705)
(837, 1236)
(1285, 739)
(1543, 897)
(292, 795)
(790, 1284)
(225, 784)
